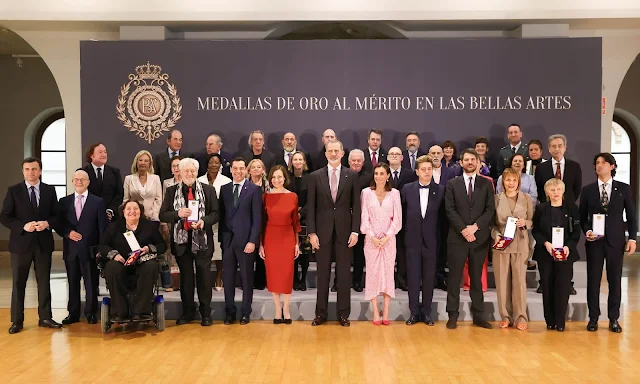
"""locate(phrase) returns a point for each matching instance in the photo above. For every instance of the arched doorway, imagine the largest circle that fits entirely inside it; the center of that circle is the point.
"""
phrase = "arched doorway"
(50, 147)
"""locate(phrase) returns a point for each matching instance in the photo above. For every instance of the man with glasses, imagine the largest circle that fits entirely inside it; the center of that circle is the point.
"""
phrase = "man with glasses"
(82, 219)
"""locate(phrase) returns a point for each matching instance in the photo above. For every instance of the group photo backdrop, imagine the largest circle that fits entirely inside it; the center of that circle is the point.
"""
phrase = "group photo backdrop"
(453, 89)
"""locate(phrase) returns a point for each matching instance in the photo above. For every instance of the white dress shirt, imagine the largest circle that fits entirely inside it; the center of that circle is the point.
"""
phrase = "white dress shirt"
(424, 200)
(607, 188)
(437, 172)
(240, 184)
(286, 156)
(95, 170)
(466, 182)
(330, 171)
(377, 152)
(553, 166)
(84, 200)
(517, 146)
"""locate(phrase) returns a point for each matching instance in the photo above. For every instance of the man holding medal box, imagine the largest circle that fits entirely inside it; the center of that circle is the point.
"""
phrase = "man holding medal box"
(602, 208)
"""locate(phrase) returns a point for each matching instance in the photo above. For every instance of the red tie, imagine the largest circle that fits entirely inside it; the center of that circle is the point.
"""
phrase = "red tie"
(558, 171)
(374, 162)
(187, 225)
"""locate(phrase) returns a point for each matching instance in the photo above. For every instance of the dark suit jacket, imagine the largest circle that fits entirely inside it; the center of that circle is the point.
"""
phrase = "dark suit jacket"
(170, 216)
(406, 159)
(268, 158)
(242, 224)
(323, 215)
(320, 160)
(382, 158)
(162, 163)
(542, 229)
(110, 188)
(572, 178)
(279, 159)
(226, 158)
(406, 176)
(420, 232)
(301, 192)
(620, 200)
(17, 211)
(446, 174)
(364, 179)
(461, 212)
(147, 234)
(93, 222)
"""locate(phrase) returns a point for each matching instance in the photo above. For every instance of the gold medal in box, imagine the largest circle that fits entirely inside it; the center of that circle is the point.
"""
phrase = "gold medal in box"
(508, 235)
(559, 255)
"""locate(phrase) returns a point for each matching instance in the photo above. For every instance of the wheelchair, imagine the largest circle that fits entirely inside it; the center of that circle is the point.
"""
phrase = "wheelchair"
(158, 309)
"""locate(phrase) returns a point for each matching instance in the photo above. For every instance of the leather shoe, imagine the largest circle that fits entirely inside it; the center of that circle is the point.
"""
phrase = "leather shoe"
(615, 327)
(318, 321)
(427, 320)
(15, 328)
(560, 329)
(70, 320)
(184, 319)
(277, 321)
(344, 321)
(550, 327)
(452, 323)
(91, 319)
(245, 320)
(357, 288)
(442, 285)
(482, 324)
(206, 321)
(539, 289)
(412, 320)
(229, 319)
(592, 326)
(49, 323)
(287, 321)
(303, 286)
(573, 291)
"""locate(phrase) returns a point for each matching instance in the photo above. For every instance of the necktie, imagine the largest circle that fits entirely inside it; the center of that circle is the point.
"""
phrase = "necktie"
(413, 161)
(470, 190)
(424, 186)
(604, 200)
(34, 199)
(395, 178)
(187, 225)
(174, 154)
(374, 161)
(100, 174)
(513, 150)
(334, 184)
(558, 172)
(236, 188)
(79, 205)
(289, 160)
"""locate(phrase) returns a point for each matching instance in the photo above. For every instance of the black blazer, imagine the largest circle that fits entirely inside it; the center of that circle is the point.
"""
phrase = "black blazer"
(420, 231)
(364, 179)
(320, 160)
(268, 158)
(226, 159)
(406, 176)
(382, 158)
(170, 216)
(542, 229)
(406, 159)
(279, 159)
(17, 211)
(301, 192)
(110, 188)
(93, 222)
(162, 163)
(572, 178)
(462, 213)
(147, 234)
(323, 215)
(620, 200)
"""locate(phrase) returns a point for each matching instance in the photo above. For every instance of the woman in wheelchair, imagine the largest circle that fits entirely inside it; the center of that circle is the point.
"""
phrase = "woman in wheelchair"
(121, 263)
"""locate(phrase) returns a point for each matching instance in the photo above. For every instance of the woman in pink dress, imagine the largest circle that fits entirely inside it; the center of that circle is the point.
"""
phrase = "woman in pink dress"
(381, 221)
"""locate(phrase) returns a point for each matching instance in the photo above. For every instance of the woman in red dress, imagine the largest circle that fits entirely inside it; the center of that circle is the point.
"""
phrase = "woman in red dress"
(279, 246)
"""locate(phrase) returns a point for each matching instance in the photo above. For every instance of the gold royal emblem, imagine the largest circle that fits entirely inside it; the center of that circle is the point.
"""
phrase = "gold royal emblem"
(149, 110)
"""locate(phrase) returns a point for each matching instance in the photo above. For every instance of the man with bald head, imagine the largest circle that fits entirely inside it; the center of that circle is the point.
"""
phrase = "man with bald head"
(321, 159)
(440, 174)
(289, 147)
(82, 220)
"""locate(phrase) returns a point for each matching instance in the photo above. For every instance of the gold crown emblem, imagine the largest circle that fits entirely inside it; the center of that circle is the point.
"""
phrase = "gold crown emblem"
(148, 71)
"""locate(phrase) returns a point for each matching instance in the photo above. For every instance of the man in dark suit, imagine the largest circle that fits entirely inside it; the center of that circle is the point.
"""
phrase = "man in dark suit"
(192, 240)
(413, 150)
(422, 211)
(82, 221)
(333, 222)
(514, 134)
(562, 168)
(104, 180)
(609, 200)
(470, 206)
(441, 175)
(162, 160)
(356, 160)
(289, 146)
(30, 211)
(374, 153)
(320, 161)
(258, 151)
(214, 145)
(240, 226)
(400, 176)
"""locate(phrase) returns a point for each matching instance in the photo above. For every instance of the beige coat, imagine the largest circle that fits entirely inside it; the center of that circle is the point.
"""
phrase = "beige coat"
(524, 210)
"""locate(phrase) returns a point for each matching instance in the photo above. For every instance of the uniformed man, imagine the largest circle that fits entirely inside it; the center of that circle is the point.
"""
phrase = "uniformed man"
(514, 133)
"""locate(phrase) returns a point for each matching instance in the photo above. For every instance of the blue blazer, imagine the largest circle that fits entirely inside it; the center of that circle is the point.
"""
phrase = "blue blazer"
(93, 222)
(243, 224)
(420, 232)
(446, 174)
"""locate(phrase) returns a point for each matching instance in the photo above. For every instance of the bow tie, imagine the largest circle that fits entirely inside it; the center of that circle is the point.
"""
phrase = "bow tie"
(424, 186)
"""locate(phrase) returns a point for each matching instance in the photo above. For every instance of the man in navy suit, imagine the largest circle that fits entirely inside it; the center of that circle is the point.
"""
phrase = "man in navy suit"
(83, 219)
(400, 176)
(423, 209)
(240, 226)
(30, 212)
(612, 199)
(374, 153)
(413, 150)
(214, 145)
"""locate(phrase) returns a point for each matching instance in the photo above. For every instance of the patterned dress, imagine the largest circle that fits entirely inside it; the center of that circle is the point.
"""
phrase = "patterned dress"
(379, 220)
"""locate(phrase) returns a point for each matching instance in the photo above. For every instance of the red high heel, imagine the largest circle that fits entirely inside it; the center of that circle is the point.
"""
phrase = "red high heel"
(377, 322)
(386, 322)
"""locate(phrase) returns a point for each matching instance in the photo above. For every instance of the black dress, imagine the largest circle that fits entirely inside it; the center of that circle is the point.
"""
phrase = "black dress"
(300, 188)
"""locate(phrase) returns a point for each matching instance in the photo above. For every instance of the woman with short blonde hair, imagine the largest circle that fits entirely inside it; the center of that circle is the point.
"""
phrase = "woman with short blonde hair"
(143, 185)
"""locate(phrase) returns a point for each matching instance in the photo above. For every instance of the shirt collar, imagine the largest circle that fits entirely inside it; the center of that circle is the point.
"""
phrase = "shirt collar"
(240, 183)
(85, 194)
(37, 185)
(600, 182)
(336, 168)
(170, 151)
(466, 177)
(517, 146)
(95, 167)
(377, 151)
(396, 170)
(554, 162)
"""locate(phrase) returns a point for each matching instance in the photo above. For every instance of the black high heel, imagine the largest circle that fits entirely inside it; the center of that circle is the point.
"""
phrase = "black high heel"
(286, 321)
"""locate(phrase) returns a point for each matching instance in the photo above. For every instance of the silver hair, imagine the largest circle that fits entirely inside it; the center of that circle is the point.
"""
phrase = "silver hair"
(217, 137)
(356, 152)
(251, 137)
(558, 136)
(187, 161)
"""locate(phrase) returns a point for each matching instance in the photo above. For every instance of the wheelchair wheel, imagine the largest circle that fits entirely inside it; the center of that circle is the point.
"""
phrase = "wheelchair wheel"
(105, 321)
(158, 308)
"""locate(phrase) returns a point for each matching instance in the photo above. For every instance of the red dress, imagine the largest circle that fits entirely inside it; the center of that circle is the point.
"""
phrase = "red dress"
(279, 240)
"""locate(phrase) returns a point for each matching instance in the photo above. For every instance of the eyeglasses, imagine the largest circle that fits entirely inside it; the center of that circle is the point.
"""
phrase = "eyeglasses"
(80, 180)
